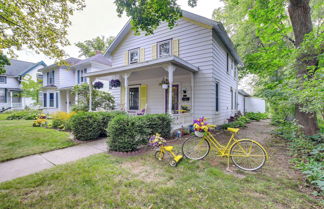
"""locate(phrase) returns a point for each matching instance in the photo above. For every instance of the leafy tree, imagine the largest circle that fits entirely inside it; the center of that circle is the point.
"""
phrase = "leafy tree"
(30, 88)
(39, 25)
(100, 99)
(3, 62)
(91, 47)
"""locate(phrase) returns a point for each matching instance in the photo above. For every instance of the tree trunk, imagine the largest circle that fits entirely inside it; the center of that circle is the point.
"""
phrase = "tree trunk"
(300, 16)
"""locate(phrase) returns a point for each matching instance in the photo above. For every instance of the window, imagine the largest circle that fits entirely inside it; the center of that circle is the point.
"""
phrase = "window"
(217, 96)
(39, 78)
(57, 99)
(227, 60)
(51, 99)
(232, 99)
(235, 72)
(3, 79)
(50, 78)
(164, 48)
(3, 95)
(134, 98)
(45, 99)
(81, 77)
(235, 97)
(133, 56)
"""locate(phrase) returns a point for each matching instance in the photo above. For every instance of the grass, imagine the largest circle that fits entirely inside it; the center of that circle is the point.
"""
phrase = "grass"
(103, 181)
(18, 138)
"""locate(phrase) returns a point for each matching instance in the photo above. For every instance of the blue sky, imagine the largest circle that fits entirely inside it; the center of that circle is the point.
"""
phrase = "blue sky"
(100, 18)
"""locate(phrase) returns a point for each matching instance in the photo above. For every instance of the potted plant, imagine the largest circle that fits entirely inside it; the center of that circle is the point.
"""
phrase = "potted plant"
(164, 83)
(185, 108)
(114, 83)
(98, 85)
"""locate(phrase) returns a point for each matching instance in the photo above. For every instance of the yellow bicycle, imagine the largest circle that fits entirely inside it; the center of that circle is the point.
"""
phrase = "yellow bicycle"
(246, 154)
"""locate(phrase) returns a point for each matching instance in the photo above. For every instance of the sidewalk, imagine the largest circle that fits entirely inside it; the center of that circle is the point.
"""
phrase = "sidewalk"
(34, 163)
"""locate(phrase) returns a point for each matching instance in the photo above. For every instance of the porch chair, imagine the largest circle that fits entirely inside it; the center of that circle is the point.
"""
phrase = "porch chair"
(143, 111)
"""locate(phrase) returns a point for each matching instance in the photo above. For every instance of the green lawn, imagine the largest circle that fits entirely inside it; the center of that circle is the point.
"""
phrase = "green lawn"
(103, 181)
(18, 138)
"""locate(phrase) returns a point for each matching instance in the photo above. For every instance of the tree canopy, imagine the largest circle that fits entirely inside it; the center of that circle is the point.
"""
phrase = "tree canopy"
(39, 25)
(91, 47)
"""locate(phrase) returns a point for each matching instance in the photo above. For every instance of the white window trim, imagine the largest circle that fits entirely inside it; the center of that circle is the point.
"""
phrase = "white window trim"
(139, 96)
(80, 74)
(129, 55)
(162, 42)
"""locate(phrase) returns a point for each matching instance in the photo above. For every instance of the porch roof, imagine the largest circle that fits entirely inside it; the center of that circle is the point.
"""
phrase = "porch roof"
(145, 65)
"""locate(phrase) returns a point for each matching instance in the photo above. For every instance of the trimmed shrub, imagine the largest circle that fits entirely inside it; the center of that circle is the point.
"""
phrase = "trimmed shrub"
(23, 114)
(125, 135)
(128, 132)
(86, 125)
(105, 118)
(61, 120)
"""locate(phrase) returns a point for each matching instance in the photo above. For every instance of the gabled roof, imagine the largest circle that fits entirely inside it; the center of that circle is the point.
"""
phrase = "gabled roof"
(20, 68)
(98, 58)
(216, 26)
(70, 60)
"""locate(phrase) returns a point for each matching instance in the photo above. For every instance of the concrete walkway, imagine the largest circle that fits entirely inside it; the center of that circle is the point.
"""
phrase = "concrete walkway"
(34, 163)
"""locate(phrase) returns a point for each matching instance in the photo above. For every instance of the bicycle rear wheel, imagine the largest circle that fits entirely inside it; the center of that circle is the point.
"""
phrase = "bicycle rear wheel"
(195, 148)
(248, 155)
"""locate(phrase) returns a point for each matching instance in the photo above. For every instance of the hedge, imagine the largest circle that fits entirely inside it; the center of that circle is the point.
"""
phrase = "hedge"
(24, 114)
(127, 133)
(91, 125)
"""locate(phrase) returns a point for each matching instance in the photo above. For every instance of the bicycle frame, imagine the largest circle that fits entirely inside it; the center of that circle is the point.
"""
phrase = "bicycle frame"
(223, 150)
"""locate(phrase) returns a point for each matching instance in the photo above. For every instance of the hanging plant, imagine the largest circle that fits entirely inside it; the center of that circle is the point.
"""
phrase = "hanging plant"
(164, 83)
(98, 85)
(114, 83)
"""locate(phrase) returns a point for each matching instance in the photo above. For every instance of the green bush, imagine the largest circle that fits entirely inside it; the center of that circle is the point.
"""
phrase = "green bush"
(256, 116)
(86, 125)
(105, 118)
(23, 114)
(128, 132)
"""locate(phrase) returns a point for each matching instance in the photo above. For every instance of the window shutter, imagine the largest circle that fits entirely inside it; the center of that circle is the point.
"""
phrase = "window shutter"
(154, 51)
(175, 47)
(126, 58)
(57, 97)
(6, 96)
(143, 96)
(142, 54)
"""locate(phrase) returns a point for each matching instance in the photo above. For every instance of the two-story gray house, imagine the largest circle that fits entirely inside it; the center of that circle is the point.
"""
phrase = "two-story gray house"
(196, 58)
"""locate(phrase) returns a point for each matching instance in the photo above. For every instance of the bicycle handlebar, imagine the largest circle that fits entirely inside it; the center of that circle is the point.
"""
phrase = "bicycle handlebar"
(212, 126)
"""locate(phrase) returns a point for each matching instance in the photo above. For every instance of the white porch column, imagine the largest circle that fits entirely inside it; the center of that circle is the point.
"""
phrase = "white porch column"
(11, 99)
(125, 76)
(67, 101)
(170, 68)
(90, 93)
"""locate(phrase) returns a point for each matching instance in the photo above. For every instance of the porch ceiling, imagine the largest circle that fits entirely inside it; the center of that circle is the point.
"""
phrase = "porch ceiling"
(144, 66)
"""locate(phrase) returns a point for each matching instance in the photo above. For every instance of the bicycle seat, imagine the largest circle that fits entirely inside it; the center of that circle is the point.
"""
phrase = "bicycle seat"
(233, 130)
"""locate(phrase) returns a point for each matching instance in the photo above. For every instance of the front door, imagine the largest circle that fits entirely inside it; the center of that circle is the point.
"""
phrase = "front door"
(175, 99)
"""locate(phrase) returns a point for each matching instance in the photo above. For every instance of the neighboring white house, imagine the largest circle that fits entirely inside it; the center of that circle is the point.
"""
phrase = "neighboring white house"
(196, 56)
(58, 81)
(247, 103)
(10, 83)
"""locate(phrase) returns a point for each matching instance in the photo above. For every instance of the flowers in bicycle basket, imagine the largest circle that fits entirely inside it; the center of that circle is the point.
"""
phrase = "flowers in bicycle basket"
(200, 125)
(156, 140)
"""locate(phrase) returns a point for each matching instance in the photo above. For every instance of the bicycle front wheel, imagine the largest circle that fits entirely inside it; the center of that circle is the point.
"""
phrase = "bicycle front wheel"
(248, 155)
(195, 148)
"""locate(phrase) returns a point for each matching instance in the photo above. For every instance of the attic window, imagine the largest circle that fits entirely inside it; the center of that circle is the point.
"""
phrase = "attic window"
(133, 56)
(164, 48)
(3, 79)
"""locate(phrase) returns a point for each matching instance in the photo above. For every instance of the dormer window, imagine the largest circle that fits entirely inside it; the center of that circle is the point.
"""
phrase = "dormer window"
(164, 48)
(133, 56)
(3, 79)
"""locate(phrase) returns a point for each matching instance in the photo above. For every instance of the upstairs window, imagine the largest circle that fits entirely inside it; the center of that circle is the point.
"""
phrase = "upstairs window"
(164, 48)
(133, 56)
(217, 96)
(81, 77)
(50, 78)
(3, 79)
